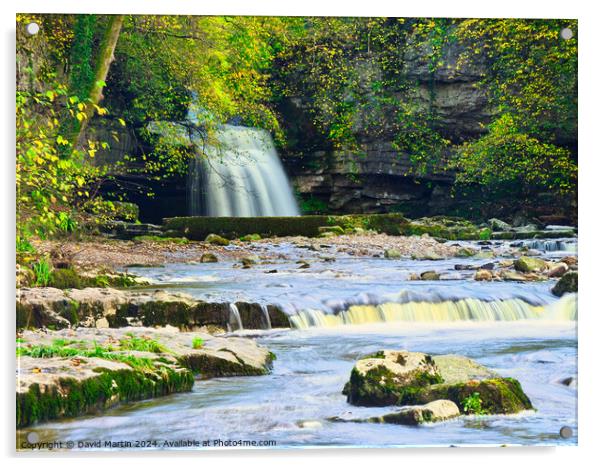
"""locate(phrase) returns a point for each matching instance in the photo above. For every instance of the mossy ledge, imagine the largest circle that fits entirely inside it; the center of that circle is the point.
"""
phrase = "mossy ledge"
(70, 373)
(198, 228)
(103, 386)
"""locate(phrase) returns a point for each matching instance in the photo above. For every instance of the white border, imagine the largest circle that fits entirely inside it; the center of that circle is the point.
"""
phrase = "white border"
(590, 318)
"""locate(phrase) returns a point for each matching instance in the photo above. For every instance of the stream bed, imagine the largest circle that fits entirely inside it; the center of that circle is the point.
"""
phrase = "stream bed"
(292, 406)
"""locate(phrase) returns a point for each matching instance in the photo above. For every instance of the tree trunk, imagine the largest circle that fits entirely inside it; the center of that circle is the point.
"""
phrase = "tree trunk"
(101, 70)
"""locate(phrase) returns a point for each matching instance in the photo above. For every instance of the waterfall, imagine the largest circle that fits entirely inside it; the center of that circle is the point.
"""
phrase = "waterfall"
(235, 320)
(467, 309)
(239, 175)
(556, 245)
(266, 316)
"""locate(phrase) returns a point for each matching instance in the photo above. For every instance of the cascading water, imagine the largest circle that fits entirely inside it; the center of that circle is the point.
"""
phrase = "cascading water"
(235, 320)
(240, 175)
(467, 309)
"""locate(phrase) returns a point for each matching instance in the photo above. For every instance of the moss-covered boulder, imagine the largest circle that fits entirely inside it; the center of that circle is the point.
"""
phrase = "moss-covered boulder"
(568, 283)
(383, 379)
(217, 240)
(389, 377)
(530, 264)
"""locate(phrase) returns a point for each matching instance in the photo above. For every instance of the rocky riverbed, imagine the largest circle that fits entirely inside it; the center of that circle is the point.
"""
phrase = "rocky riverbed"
(190, 317)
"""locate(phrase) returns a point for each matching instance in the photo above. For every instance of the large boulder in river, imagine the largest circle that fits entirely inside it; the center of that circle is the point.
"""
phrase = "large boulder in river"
(387, 377)
(530, 264)
(567, 284)
(403, 378)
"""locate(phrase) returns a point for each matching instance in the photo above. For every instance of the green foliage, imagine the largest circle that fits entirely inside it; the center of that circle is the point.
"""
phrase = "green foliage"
(24, 246)
(510, 164)
(312, 205)
(134, 343)
(51, 187)
(473, 404)
(82, 73)
(197, 343)
(42, 272)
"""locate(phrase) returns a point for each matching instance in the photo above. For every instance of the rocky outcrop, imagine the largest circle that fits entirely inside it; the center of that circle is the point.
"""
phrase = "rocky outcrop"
(70, 373)
(405, 378)
(107, 307)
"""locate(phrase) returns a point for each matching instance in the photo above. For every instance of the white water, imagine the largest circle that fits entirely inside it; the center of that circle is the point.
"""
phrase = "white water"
(240, 175)
(467, 309)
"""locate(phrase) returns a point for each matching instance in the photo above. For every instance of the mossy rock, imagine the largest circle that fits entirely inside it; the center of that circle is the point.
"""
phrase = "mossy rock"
(530, 264)
(392, 253)
(208, 257)
(217, 240)
(502, 395)
(377, 380)
(334, 230)
(465, 252)
(568, 283)
(389, 378)
(251, 237)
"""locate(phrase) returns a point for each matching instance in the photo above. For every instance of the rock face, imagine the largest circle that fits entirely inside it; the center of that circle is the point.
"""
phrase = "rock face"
(68, 373)
(107, 307)
(404, 378)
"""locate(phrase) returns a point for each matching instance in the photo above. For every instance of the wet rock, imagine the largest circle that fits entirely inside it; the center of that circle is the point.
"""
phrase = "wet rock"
(208, 257)
(334, 230)
(484, 255)
(251, 237)
(381, 379)
(427, 256)
(483, 275)
(50, 307)
(303, 264)
(498, 225)
(248, 261)
(569, 260)
(569, 382)
(530, 264)
(488, 266)
(309, 424)
(510, 276)
(435, 411)
(429, 275)
(386, 377)
(392, 254)
(568, 283)
(217, 240)
(558, 270)
(465, 252)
